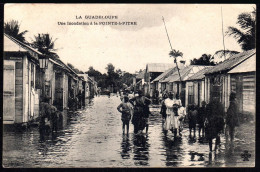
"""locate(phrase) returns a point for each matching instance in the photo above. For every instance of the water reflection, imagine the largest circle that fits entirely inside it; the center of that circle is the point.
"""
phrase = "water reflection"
(125, 147)
(173, 150)
(93, 138)
(141, 149)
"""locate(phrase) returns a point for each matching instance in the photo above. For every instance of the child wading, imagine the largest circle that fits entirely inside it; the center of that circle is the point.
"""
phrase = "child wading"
(125, 108)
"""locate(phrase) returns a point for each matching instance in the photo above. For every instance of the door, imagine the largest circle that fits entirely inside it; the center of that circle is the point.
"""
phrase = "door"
(9, 92)
(58, 101)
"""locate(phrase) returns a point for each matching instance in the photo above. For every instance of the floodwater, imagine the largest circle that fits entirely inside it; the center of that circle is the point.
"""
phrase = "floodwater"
(93, 138)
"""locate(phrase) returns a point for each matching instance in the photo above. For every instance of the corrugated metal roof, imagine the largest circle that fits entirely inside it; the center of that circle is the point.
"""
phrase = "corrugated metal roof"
(20, 44)
(185, 73)
(249, 65)
(232, 62)
(159, 67)
(199, 75)
(167, 73)
(175, 75)
(141, 75)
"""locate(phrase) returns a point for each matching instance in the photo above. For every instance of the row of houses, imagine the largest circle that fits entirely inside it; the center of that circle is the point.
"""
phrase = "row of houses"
(195, 83)
(29, 76)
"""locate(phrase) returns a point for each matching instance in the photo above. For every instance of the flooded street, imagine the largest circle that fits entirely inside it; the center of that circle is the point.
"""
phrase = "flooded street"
(93, 138)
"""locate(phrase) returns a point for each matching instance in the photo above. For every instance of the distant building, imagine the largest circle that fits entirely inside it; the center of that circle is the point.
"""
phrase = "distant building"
(152, 71)
(138, 81)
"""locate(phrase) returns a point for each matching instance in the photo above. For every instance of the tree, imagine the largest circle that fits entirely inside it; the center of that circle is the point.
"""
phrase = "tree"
(98, 76)
(176, 53)
(245, 35)
(12, 28)
(44, 43)
(205, 59)
(224, 53)
(110, 68)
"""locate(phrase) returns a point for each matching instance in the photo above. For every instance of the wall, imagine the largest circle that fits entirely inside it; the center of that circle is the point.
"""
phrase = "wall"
(19, 91)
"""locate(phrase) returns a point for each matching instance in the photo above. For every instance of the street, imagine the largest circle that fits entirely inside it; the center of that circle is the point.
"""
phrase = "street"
(93, 138)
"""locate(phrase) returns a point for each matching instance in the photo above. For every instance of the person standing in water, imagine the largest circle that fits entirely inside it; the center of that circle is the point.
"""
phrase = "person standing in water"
(163, 108)
(232, 116)
(192, 116)
(168, 124)
(138, 119)
(147, 114)
(176, 122)
(201, 118)
(125, 108)
(214, 122)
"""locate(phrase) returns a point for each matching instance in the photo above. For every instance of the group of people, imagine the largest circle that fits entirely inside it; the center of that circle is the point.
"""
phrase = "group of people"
(135, 107)
(210, 118)
(173, 114)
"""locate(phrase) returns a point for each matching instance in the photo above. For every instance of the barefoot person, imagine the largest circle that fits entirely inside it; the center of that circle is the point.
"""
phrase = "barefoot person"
(125, 108)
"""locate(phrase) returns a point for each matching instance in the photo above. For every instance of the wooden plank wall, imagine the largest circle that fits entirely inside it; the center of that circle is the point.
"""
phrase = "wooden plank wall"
(18, 92)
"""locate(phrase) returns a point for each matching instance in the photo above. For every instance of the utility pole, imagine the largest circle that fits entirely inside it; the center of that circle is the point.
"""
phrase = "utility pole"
(175, 60)
(223, 34)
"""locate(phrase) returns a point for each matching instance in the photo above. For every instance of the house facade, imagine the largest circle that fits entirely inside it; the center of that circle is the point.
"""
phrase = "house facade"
(236, 74)
(20, 95)
(174, 84)
(195, 88)
(152, 71)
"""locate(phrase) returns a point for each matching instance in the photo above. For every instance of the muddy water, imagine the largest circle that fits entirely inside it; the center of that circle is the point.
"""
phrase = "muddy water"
(93, 138)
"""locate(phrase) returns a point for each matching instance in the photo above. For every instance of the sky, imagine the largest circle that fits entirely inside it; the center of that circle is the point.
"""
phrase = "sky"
(194, 29)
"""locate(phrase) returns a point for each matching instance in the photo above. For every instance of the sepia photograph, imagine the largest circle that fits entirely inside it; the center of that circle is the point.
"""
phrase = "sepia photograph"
(129, 85)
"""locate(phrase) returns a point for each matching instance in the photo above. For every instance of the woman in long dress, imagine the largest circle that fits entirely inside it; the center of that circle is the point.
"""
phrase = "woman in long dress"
(168, 124)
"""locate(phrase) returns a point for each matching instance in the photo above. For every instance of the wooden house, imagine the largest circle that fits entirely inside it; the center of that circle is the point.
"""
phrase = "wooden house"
(152, 71)
(235, 74)
(174, 84)
(20, 95)
(87, 85)
(195, 88)
(158, 80)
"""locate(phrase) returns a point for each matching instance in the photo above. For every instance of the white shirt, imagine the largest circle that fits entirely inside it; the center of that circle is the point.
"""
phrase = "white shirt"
(169, 105)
